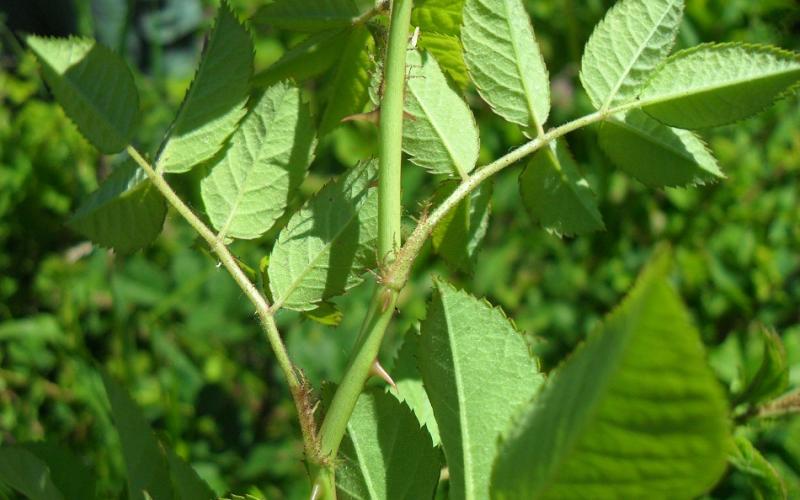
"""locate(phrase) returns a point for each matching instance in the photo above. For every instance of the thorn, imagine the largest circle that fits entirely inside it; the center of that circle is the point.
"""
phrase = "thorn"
(373, 116)
(387, 298)
(219, 264)
(414, 38)
(409, 116)
(378, 371)
(314, 492)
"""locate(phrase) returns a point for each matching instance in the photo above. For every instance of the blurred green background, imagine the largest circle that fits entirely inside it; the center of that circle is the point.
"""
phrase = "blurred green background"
(175, 329)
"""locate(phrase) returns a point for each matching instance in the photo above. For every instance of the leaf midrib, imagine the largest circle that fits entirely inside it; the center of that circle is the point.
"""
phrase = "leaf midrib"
(627, 71)
(528, 92)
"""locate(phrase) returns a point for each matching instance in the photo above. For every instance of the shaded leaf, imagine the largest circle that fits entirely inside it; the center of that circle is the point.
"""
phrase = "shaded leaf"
(326, 313)
(93, 85)
(459, 234)
(215, 101)
(632, 39)
(410, 390)
(478, 374)
(66, 471)
(185, 481)
(25, 472)
(328, 243)
(385, 453)
(556, 195)
(504, 60)
(772, 377)
(638, 411)
(348, 90)
(440, 133)
(717, 84)
(311, 57)
(126, 212)
(656, 154)
(145, 458)
(307, 15)
(249, 187)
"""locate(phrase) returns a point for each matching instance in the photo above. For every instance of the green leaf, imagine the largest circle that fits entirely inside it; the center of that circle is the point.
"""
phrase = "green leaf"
(145, 458)
(326, 313)
(440, 133)
(504, 60)
(447, 50)
(634, 413)
(93, 85)
(439, 22)
(410, 390)
(656, 154)
(633, 38)
(348, 91)
(556, 195)
(478, 374)
(772, 377)
(126, 212)
(459, 234)
(326, 245)
(717, 84)
(25, 472)
(249, 187)
(313, 56)
(185, 481)
(765, 480)
(215, 101)
(385, 453)
(307, 15)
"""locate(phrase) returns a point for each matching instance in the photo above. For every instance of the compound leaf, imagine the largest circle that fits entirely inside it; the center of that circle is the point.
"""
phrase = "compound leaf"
(717, 84)
(478, 374)
(440, 133)
(459, 234)
(657, 155)
(307, 15)
(556, 195)
(126, 212)
(250, 185)
(348, 91)
(215, 101)
(638, 412)
(386, 454)
(328, 243)
(93, 85)
(633, 38)
(504, 60)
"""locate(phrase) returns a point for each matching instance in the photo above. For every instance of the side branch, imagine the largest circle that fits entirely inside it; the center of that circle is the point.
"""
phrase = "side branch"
(266, 320)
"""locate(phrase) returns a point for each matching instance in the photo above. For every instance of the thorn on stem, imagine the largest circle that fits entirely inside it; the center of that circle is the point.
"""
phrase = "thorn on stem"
(379, 371)
(373, 116)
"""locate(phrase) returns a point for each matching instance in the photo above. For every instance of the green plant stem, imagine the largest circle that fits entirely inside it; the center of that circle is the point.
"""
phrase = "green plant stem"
(267, 322)
(391, 132)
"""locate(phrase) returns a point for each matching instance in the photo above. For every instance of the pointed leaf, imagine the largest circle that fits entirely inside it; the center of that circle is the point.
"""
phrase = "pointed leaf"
(145, 459)
(126, 213)
(440, 133)
(307, 15)
(93, 85)
(313, 56)
(765, 480)
(65, 470)
(385, 453)
(25, 472)
(187, 484)
(439, 22)
(459, 234)
(633, 38)
(772, 377)
(478, 374)
(655, 154)
(326, 246)
(348, 91)
(249, 187)
(504, 61)
(556, 195)
(635, 413)
(215, 101)
(410, 390)
(712, 85)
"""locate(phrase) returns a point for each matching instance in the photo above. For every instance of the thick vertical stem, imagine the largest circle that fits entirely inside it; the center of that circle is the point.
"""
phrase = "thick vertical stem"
(389, 217)
(391, 131)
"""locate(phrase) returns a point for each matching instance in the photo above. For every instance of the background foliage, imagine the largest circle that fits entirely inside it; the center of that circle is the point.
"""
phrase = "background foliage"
(178, 333)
